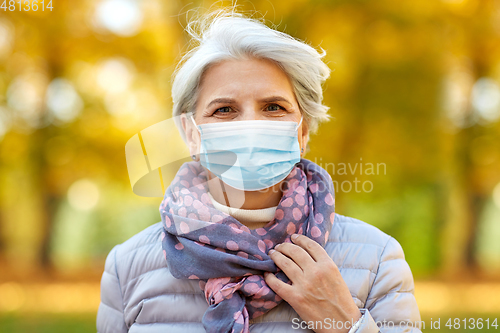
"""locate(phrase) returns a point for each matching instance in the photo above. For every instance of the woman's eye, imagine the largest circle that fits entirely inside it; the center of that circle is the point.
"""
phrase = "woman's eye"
(274, 107)
(224, 109)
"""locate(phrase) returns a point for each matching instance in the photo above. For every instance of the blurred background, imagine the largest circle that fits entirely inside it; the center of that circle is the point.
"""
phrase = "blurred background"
(415, 89)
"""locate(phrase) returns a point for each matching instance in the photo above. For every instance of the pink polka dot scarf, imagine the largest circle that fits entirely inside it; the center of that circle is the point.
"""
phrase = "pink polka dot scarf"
(203, 243)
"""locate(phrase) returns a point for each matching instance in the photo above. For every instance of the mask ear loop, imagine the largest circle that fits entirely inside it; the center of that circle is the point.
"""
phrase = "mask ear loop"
(300, 122)
(194, 123)
(296, 128)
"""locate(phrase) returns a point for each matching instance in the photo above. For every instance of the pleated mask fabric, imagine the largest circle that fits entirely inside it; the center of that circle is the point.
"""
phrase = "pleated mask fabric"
(249, 155)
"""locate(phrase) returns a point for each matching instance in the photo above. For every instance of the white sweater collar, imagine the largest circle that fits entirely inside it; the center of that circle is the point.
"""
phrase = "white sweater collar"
(246, 215)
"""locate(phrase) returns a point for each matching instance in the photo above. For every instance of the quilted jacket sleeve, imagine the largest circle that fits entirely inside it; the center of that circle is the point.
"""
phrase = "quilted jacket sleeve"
(391, 306)
(110, 314)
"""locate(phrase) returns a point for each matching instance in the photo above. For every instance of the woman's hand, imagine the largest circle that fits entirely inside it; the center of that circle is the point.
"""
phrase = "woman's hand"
(317, 292)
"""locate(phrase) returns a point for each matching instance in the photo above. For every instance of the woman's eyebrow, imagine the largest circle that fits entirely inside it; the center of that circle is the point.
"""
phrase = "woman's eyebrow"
(270, 99)
(221, 101)
(275, 99)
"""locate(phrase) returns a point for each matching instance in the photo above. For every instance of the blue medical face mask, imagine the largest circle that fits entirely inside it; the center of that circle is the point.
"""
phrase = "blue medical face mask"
(250, 155)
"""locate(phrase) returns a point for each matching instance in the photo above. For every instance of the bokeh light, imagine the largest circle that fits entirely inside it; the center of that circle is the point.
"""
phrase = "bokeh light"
(83, 195)
(486, 98)
(25, 96)
(121, 17)
(63, 100)
(115, 75)
(7, 34)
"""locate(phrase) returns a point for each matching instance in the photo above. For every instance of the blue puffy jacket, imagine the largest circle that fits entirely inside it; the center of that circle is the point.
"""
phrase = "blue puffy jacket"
(138, 293)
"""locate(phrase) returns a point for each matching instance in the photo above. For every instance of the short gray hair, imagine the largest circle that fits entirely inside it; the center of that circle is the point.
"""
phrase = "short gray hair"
(224, 35)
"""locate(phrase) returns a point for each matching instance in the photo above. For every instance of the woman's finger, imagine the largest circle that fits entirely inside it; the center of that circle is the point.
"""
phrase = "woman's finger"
(287, 265)
(316, 251)
(297, 254)
(282, 289)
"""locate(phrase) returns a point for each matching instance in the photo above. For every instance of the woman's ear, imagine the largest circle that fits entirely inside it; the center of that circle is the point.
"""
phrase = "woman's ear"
(192, 136)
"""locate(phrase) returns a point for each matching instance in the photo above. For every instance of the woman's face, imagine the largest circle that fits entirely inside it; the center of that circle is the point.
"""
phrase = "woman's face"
(237, 90)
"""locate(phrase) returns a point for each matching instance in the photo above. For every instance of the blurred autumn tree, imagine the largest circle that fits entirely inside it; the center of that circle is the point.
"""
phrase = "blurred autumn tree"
(414, 87)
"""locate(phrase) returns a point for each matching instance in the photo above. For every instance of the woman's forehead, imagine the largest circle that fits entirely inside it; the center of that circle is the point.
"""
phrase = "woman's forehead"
(249, 77)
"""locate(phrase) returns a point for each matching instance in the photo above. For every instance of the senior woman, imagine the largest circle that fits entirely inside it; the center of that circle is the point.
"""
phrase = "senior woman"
(249, 240)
